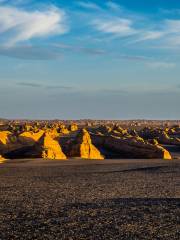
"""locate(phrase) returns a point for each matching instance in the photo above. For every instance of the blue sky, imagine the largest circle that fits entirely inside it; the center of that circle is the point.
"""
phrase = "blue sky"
(90, 59)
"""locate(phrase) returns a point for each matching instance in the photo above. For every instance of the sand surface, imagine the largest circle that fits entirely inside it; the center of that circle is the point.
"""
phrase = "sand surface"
(88, 199)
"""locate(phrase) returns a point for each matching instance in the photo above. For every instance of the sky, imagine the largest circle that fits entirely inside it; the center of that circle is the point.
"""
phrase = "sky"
(96, 59)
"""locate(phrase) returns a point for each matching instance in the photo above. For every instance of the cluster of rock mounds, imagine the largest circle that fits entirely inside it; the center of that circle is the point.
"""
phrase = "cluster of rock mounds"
(46, 145)
(86, 144)
(167, 136)
(128, 143)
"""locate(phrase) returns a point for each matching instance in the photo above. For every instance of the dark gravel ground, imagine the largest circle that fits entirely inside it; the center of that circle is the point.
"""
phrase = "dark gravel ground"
(80, 199)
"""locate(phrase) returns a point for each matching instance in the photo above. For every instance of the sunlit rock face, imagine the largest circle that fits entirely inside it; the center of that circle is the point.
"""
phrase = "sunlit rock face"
(73, 127)
(28, 138)
(63, 130)
(51, 148)
(2, 159)
(5, 137)
(165, 153)
(82, 147)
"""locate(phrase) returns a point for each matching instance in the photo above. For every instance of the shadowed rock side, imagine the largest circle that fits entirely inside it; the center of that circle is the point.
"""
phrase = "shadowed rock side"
(31, 145)
(51, 148)
(134, 147)
(163, 136)
(8, 142)
(82, 147)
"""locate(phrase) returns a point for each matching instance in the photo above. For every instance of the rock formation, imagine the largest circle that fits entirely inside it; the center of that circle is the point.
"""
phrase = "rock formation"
(8, 142)
(29, 138)
(2, 159)
(82, 147)
(164, 138)
(46, 139)
(5, 137)
(50, 148)
(161, 135)
(131, 148)
(73, 127)
(63, 129)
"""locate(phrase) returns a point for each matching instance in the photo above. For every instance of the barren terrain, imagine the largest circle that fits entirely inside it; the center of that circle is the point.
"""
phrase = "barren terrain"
(89, 199)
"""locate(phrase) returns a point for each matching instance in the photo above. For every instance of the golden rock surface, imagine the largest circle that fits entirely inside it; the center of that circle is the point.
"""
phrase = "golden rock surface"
(84, 148)
(52, 149)
(5, 137)
(165, 153)
(30, 137)
(73, 127)
(2, 159)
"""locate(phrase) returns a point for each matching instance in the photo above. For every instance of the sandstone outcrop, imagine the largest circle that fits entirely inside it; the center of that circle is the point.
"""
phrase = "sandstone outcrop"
(82, 147)
(46, 139)
(8, 142)
(5, 137)
(2, 159)
(162, 136)
(131, 148)
(73, 127)
(50, 148)
(30, 138)
(63, 129)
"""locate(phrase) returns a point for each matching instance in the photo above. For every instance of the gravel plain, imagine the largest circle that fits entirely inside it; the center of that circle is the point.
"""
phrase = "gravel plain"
(89, 199)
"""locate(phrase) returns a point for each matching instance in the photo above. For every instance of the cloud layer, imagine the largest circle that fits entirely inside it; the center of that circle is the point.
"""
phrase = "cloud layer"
(118, 26)
(17, 25)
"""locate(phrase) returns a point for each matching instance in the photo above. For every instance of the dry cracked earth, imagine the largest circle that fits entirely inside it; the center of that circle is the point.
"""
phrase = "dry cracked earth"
(82, 199)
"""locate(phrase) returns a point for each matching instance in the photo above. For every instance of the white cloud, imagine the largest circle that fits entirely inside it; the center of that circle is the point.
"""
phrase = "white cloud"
(168, 31)
(172, 31)
(151, 35)
(21, 25)
(172, 26)
(88, 5)
(112, 5)
(161, 33)
(116, 26)
(161, 65)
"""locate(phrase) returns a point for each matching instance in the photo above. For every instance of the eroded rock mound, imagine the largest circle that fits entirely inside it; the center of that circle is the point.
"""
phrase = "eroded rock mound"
(5, 137)
(63, 129)
(8, 142)
(131, 147)
(73, 127)
(2, 159)
(162, 135)
(50, 148)
(82, 147)
(29, 138)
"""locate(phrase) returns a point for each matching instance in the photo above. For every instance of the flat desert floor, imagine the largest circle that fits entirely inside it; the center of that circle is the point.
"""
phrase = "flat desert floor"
(88, 199)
